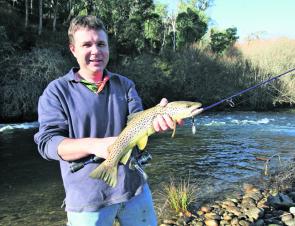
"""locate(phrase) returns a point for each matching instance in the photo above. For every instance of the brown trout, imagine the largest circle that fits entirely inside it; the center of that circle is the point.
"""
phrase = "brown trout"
(139, 128)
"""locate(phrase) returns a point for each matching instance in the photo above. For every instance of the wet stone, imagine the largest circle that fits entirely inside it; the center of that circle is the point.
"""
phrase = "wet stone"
(286, 217)
(248, 201)
(227, 217)
(197, 223)
(216, 206)
(234, 210)
(244, 223)
(212, 216)
(206, 209)
(200, 213)
(229, 203)
(224, 222)
(292, 210)
(259, 222)
(254, 213)
(234, 221)
(248, 187)
(211, 223)
(290, 222)
(169, 222)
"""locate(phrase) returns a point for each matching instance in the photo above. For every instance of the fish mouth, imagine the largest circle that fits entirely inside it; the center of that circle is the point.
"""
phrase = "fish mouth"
(196, 110)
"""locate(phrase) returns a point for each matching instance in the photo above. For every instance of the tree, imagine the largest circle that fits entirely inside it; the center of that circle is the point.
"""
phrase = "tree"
(190, 27)
(221, 40)
(26, 13)
(198, 5)
(125, 22)
(55, 15)
(40, 17)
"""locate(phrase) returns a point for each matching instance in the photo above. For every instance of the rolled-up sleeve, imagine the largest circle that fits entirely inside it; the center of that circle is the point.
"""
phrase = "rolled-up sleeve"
(53, 125)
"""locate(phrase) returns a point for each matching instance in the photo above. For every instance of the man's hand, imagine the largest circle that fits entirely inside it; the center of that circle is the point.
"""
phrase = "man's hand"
(164, 122)
(72, 149)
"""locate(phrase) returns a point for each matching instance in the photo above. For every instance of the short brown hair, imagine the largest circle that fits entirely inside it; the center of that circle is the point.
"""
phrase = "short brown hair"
(90, 22)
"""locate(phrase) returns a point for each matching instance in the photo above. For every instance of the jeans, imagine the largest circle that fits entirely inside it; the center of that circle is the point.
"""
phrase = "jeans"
(138, 211)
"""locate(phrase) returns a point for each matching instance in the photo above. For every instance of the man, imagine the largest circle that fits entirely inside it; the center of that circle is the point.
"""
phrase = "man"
(80, 115)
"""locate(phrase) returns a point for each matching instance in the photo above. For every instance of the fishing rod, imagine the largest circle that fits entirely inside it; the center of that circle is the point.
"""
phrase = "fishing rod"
(229, 99)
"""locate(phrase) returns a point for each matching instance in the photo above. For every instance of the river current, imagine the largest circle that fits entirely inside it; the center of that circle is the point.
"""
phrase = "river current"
(225, 152)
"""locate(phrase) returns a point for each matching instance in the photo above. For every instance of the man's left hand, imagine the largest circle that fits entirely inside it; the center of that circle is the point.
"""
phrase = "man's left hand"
(164, 122)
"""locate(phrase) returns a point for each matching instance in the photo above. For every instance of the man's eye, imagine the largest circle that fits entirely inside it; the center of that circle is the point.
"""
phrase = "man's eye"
(86, 45)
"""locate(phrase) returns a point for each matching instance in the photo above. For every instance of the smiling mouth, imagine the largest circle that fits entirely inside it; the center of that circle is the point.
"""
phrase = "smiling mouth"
(96, 60)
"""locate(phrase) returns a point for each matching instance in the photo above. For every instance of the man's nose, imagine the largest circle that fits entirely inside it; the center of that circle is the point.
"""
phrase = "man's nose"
(95, 49)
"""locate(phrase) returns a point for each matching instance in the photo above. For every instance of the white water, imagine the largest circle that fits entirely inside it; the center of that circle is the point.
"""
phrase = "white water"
(13, 126)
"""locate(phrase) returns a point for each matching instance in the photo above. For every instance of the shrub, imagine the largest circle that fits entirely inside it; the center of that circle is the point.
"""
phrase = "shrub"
(273, 57)
(25, 80)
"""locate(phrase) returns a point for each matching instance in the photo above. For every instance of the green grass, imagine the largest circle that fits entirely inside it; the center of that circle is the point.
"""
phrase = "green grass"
(180, 196)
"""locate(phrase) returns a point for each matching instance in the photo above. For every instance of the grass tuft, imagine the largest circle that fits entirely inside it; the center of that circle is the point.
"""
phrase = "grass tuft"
(180, 196)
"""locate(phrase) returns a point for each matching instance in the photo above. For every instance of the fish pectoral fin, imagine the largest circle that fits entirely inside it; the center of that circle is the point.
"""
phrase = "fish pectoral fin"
(142, 142)
(174, 129)
(106, 173)
(126, 157)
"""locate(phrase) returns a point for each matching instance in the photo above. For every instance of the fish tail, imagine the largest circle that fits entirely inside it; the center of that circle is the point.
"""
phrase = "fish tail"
(106, 173)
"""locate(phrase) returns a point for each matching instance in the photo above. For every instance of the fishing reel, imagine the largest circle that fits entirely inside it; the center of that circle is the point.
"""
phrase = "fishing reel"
(139, 162)
(135, 163)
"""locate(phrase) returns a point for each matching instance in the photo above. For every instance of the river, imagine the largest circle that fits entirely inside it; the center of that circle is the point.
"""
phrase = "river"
(219, 158)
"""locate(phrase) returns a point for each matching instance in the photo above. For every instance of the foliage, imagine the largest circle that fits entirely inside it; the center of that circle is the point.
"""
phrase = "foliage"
(190, 27)
(181, 195)
(221, 40)
(142, 39)
(6, 48)
(201, 5)
(25, 80)
(273, 57)
(197, 75)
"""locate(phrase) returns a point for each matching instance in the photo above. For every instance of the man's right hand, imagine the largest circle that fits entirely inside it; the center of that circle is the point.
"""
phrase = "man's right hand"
(73, 149)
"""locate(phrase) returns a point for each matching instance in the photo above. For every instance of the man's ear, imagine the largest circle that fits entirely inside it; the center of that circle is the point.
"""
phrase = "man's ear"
(72, 48)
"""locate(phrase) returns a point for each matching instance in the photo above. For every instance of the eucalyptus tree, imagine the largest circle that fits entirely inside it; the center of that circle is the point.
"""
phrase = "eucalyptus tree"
(26, 13)
(200, 5)
(125, 21)
(190, 27)
(40, 25)
(156, 29)
(221, 40)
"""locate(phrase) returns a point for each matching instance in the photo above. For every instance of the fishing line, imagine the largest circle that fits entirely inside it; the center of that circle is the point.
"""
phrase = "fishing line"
(229, 99)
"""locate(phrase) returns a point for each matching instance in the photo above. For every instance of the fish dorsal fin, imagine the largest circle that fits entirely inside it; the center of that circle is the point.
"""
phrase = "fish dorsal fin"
(126, 157)
(132, 116)
(142, 142)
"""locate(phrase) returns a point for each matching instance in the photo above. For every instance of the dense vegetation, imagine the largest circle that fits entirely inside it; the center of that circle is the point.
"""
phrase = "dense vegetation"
(173, 56)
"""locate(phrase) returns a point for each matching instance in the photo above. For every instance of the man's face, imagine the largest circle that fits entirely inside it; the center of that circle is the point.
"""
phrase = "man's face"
(91, 50)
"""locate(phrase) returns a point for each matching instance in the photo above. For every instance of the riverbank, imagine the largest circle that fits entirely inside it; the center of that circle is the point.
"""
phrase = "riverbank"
(272, 205)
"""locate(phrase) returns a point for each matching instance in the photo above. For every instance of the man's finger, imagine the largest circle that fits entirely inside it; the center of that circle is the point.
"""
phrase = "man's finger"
(163, 102)
(162, 123)
(168, 121)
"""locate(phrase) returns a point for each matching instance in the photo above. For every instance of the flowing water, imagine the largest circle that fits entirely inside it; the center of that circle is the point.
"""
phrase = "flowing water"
(219, 158)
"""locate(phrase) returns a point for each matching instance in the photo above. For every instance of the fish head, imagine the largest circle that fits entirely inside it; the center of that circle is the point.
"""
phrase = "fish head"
(182, 109)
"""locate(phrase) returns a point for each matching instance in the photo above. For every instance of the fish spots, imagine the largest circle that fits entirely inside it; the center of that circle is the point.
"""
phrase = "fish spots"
(138, 127)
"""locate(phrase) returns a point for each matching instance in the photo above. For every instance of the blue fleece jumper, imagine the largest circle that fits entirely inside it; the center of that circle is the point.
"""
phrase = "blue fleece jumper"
(67, 108)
